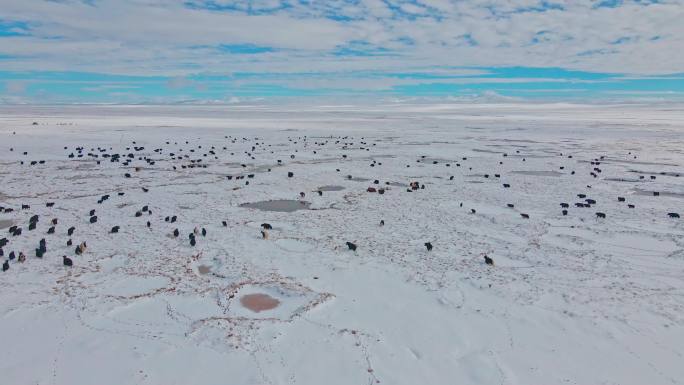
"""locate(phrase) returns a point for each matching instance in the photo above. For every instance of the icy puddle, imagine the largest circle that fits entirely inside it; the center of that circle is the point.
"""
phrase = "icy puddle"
(661, 193)
(259, 302)
(538, 173)
(5, 223)
(331, 188)
(663, 173)
(630, 180)
(280, 205)
(203, 269)
(274, 300)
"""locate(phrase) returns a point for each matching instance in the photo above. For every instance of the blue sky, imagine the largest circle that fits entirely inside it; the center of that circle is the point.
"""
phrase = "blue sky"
(153, 51)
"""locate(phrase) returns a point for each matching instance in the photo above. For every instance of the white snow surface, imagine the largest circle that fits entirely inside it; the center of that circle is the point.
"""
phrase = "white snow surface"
(571, 299)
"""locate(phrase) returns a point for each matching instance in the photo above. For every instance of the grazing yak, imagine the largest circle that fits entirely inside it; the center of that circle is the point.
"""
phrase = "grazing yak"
(79, 250)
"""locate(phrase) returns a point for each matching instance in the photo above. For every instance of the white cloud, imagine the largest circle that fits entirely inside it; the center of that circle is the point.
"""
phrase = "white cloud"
(164, 37)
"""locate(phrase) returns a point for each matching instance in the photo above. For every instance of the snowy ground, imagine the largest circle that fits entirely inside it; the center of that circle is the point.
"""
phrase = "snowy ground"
(571, 299)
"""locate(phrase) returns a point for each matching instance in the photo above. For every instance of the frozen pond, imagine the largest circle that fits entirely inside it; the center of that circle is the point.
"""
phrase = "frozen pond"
(278, 205)
(538, 173)
(659, 193)
(331, 188)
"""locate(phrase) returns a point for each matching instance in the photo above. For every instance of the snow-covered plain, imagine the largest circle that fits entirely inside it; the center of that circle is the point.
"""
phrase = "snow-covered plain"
(571, 299)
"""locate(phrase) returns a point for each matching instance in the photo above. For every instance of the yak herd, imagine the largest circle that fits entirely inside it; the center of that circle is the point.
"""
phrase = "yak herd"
(190, 158)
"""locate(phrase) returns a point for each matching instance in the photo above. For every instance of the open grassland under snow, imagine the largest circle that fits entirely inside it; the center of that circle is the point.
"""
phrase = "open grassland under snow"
(576, 298)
